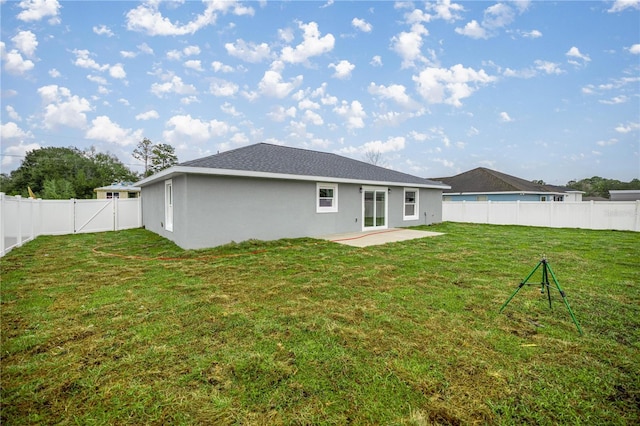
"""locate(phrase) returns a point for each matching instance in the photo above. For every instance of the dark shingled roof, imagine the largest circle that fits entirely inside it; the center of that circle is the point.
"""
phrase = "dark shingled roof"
(486, 180)
(268, 158)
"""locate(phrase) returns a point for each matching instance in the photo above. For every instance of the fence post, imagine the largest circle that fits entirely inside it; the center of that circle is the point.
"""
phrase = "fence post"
(19, 242)
(1, 224)
(636, 226)
(517, 212)
(115, 213)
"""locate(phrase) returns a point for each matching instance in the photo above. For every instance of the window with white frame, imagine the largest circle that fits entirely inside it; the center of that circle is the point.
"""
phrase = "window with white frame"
(327, 197)
(410, 211)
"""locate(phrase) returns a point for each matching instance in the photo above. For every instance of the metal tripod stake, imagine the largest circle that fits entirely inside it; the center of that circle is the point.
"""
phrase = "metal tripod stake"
(546, 270)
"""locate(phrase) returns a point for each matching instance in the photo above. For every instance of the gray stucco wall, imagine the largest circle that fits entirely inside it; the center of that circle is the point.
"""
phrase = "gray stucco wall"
(214, 210)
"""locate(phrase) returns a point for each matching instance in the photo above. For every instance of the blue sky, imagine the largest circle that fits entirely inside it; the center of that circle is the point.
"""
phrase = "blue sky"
(540, 90)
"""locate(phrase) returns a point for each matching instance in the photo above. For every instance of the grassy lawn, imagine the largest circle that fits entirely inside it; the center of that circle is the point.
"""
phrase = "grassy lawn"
(126, 328)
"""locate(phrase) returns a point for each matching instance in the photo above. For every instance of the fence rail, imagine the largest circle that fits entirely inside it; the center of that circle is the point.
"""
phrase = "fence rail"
(617, 215)
(23, 219)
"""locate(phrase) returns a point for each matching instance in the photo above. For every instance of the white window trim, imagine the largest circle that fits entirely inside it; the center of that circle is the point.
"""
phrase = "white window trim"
(334, 206)
(416, 214)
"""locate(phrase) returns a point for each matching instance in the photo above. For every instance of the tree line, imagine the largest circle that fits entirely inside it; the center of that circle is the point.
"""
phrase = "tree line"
(64, 173)
(597, 186)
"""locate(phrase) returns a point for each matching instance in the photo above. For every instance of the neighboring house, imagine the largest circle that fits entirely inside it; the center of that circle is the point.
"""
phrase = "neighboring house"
(482, 184)
(118, 190)
(624, 194)
(268, 192)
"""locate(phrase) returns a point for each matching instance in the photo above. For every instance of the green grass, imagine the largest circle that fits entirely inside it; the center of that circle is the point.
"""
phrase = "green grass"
(126, 328)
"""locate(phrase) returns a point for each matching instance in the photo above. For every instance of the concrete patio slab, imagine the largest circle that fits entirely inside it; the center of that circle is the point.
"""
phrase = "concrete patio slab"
(374, 238)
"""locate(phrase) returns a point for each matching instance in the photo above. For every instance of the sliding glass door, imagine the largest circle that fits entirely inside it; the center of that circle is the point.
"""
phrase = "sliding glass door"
(374, 207)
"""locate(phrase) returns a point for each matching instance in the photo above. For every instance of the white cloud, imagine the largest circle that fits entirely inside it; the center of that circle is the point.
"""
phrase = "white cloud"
(219, 87)
(103, 129)
(620, 5)
(175, 85)
(18, 151)
(227, 108)
(548, 67)
(532, 34)
(279, 113)
(446, 10)
(14, 63)
(615, 100)
(409, 45)
(441, 85)
(313, 118)
(498, 15)
(353, 114)
(191, 50)
(84, 60)
(35, 10)
(117, 71)
(97, 79)
(11, 130)
(194, 65)
(148, 19)
(63, 108)
(376, 61)
(188, 100)
(127, 54)
(248, 52)
(103, 30)
(12, 113)
(635, 49)
(396, 92)
(392, 144)
(54, 73)
(504, 117)
(272, 84)
(193, 129)
(362, 25)
(629, 127)
(312, 45)
(218, 66)
(148, 115)
(343, 69)
(574, 53)
(144, 48)
(473, 30)
(610, 142)
(26, 42)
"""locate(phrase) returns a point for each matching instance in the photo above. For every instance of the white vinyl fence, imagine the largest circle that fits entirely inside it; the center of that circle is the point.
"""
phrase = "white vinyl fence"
(618, 215)
(23, 219)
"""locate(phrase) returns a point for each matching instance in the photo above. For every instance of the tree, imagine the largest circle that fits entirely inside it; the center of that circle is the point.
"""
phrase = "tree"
(56, 172)
(599, 187)
(143, 152)
(374, 157)
(163, 156)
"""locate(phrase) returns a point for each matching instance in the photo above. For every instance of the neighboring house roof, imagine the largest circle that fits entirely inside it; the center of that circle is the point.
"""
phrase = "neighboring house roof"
(123, 186)
(624, 194)
(281, 162)
(483, 180)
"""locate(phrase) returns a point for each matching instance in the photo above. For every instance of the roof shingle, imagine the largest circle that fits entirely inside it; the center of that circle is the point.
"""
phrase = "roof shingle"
(268, 158)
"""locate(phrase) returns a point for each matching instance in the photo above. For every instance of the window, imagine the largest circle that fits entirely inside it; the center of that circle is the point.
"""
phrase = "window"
(111, 195)
(482, 198)
(327, 196)
(410, 204)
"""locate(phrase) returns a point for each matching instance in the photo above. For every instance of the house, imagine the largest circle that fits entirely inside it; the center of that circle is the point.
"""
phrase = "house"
(268, 192)
(482, 184)
(624, 194)
(117, 190)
